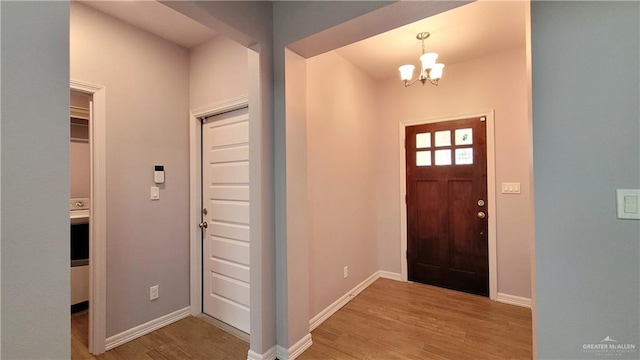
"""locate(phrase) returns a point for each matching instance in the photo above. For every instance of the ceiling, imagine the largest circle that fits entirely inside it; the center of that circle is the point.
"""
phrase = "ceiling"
(469, 31)
(156, 18)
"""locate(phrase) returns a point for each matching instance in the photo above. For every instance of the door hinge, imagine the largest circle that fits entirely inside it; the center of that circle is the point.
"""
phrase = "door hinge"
(405, 143)
(483, 119)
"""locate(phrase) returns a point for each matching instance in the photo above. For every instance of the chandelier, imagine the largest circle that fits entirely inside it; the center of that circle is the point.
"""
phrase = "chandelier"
(431, 71)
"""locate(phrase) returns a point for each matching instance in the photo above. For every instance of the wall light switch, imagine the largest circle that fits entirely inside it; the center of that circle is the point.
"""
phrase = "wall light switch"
(628, 203)
(155, 193)
(511, 188)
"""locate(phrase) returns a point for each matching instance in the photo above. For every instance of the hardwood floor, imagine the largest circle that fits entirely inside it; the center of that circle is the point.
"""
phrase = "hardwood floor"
(189, 338)
(388, 320)
(395, 320)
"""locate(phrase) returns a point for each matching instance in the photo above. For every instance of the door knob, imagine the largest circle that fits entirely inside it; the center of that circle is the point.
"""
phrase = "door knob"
(481, 214)
(203, 225)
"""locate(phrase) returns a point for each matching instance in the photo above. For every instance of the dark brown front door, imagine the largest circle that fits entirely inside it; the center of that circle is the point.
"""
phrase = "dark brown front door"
(447, 240)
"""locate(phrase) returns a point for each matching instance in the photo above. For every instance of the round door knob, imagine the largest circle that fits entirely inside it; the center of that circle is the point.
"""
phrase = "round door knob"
(481, 214)
(203, 225)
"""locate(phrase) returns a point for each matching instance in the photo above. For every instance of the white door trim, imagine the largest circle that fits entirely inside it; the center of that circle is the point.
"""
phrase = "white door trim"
(98, 218)
(195, 191)
(491, 194)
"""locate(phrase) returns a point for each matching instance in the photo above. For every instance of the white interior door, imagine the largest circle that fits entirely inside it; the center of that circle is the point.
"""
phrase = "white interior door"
(225, 196)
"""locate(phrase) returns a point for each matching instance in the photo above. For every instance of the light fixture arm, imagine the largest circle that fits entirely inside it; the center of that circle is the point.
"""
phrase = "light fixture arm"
(423, 79)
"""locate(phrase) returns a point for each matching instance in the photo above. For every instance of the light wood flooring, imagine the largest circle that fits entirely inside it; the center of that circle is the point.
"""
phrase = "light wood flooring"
(189, 338)
(388, 320)
(396, 320)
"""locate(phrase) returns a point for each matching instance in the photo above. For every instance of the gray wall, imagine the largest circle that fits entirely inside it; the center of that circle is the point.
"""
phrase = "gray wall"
(586, 145)
(80, 167)
(218, 71)
(249, 23)
(342, 203)
(35, 180)
(146, 82)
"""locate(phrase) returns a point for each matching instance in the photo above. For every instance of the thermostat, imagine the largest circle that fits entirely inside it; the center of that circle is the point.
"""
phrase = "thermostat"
(158, 174)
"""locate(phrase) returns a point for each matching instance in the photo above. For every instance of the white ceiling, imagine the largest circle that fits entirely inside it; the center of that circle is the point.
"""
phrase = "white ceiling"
(469, 31)
(156, 18)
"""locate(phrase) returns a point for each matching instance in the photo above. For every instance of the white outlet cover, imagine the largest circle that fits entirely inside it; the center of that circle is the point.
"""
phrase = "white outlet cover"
(628, 203)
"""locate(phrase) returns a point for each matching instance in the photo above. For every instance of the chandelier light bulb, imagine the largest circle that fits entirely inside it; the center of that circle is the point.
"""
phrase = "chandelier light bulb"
(406, 72)
(436, 71)
(428, 60)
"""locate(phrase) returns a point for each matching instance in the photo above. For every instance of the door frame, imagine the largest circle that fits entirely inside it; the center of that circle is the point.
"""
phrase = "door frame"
(98, 216)
(195, 192)
(491, 192)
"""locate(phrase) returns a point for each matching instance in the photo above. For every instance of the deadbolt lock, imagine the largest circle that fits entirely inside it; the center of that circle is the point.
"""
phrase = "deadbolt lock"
(480, 202)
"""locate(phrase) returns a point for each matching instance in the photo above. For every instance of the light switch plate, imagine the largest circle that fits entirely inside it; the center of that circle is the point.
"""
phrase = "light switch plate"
(511, 188)
(628, 203)
(155, 193)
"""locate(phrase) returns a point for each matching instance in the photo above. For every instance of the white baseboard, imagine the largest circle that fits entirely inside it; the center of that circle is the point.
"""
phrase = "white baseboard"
(269, 355)
(344, 299)
(296, 350)
(390, 275)
(514, 300)
(140, 330)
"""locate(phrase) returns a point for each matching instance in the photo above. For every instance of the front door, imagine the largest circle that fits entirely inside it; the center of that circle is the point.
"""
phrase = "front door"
(225, 218)
(447, 240)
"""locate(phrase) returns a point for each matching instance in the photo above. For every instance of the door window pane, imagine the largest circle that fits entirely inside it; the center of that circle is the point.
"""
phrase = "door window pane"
(443, 138)
(423, 140)
(464, 136)
(423, 158)
(464, 156)
(443, 157)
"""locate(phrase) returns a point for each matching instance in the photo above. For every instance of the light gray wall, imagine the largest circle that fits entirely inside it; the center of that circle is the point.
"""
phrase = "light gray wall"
(218, 71)
(35, 180)
(147, 98)
(79, 169)
(249, 23)
(341, 171)
(297, 220)
(586, 135)
(294, 21)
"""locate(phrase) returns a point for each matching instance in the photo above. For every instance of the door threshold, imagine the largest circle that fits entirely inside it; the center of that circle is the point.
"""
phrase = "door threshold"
(225, 327)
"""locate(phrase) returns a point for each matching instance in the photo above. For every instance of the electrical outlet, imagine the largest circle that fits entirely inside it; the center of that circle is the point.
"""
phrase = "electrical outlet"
(154, 292)
(346, 272)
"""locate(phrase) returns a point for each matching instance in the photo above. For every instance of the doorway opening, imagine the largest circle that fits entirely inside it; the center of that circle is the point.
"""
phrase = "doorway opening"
(225, 220)
(79, 213)
(88, 201)
(446, 202)
(484, 223)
